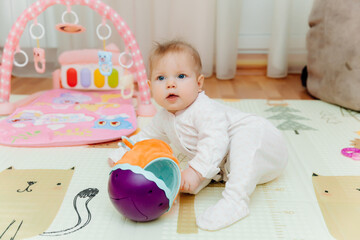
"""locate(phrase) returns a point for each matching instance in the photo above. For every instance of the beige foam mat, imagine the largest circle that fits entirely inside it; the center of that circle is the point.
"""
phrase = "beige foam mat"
(286, 208)
(186, 218)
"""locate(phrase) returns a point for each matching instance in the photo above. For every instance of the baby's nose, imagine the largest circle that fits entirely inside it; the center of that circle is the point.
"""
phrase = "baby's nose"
(171, 84)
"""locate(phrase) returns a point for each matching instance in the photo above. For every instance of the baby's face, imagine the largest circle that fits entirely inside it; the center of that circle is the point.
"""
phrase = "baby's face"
(174, 82)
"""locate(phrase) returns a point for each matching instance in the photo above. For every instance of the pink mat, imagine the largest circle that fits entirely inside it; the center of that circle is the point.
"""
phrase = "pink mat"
(62, 117)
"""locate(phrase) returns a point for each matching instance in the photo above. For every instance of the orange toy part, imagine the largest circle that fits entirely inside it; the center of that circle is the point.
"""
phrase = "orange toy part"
(143, 152)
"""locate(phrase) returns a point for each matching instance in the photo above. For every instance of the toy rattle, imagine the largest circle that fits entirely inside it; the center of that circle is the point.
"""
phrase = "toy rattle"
(353, 153)
(70, 27)
(105, 63)
(39, 53)
(144, 183)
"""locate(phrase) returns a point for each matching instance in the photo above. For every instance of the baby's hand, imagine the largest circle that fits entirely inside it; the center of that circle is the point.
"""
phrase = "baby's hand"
(190, 180)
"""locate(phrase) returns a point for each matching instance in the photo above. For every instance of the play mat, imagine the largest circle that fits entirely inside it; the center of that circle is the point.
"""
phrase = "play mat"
(62, 117)
(294, 206)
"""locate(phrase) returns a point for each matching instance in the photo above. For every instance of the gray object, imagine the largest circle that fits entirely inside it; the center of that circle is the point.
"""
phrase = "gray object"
(333, 44)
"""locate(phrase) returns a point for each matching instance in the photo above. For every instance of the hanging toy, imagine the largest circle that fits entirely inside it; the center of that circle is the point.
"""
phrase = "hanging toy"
(126, 80)
(70, 27)
(39, 53)
(105, 63)
(39, 58)
(128, 60)
(18, 50)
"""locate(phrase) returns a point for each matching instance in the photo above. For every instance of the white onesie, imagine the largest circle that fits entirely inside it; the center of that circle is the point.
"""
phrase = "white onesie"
(208, 132)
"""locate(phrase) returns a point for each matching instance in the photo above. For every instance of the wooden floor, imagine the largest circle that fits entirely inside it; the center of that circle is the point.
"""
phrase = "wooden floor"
(250, 82)
(245, 85)
(256, 87)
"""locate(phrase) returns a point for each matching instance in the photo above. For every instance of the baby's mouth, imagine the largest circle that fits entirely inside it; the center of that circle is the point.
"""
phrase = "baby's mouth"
(172, 96)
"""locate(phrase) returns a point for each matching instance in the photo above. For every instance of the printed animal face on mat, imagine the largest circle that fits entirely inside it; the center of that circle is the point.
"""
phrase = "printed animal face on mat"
(38, 118)
(30, 200)
(25, 116)
(70, 98)
(115, 122)
(339, 198)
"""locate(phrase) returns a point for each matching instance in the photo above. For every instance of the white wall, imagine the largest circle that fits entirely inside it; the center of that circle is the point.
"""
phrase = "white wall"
(256, 23)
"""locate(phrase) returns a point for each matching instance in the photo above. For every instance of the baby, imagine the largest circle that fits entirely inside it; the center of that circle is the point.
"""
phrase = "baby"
(221, 142)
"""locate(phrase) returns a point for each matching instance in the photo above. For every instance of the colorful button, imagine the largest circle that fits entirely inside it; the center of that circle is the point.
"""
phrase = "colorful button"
(113, 79)
(85, 77)
(71, 77)
(99, 79)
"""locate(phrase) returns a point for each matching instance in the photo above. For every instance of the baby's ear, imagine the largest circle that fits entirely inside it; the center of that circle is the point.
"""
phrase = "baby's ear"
(148, 82)
(200, 81)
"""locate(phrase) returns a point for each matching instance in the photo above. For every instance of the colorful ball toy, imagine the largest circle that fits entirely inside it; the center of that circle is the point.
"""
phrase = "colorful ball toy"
(144, 183)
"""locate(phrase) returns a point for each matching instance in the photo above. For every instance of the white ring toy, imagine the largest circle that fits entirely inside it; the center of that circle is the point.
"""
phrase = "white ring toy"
(26, 59)
(123, 65)
(73, 13)
(42, 29)
(98, 33)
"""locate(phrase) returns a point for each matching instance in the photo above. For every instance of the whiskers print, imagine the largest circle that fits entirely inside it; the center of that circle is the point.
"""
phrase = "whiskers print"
(81, 200)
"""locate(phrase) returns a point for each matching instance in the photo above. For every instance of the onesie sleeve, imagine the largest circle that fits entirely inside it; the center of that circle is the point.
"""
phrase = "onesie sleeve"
(154, 129)
(213, 142)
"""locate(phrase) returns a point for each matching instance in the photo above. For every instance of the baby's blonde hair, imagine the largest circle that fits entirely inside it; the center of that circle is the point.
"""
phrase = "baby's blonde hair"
(175, 46)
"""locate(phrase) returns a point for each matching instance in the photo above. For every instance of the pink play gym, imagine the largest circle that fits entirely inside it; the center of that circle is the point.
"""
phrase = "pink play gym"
(94, 97)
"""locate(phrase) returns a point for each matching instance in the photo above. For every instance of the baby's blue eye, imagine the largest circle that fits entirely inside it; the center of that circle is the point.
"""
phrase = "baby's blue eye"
(181, 76)
(160, 78)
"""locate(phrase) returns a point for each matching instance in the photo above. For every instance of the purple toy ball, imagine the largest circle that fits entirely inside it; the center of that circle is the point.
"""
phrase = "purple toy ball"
(135, 196)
